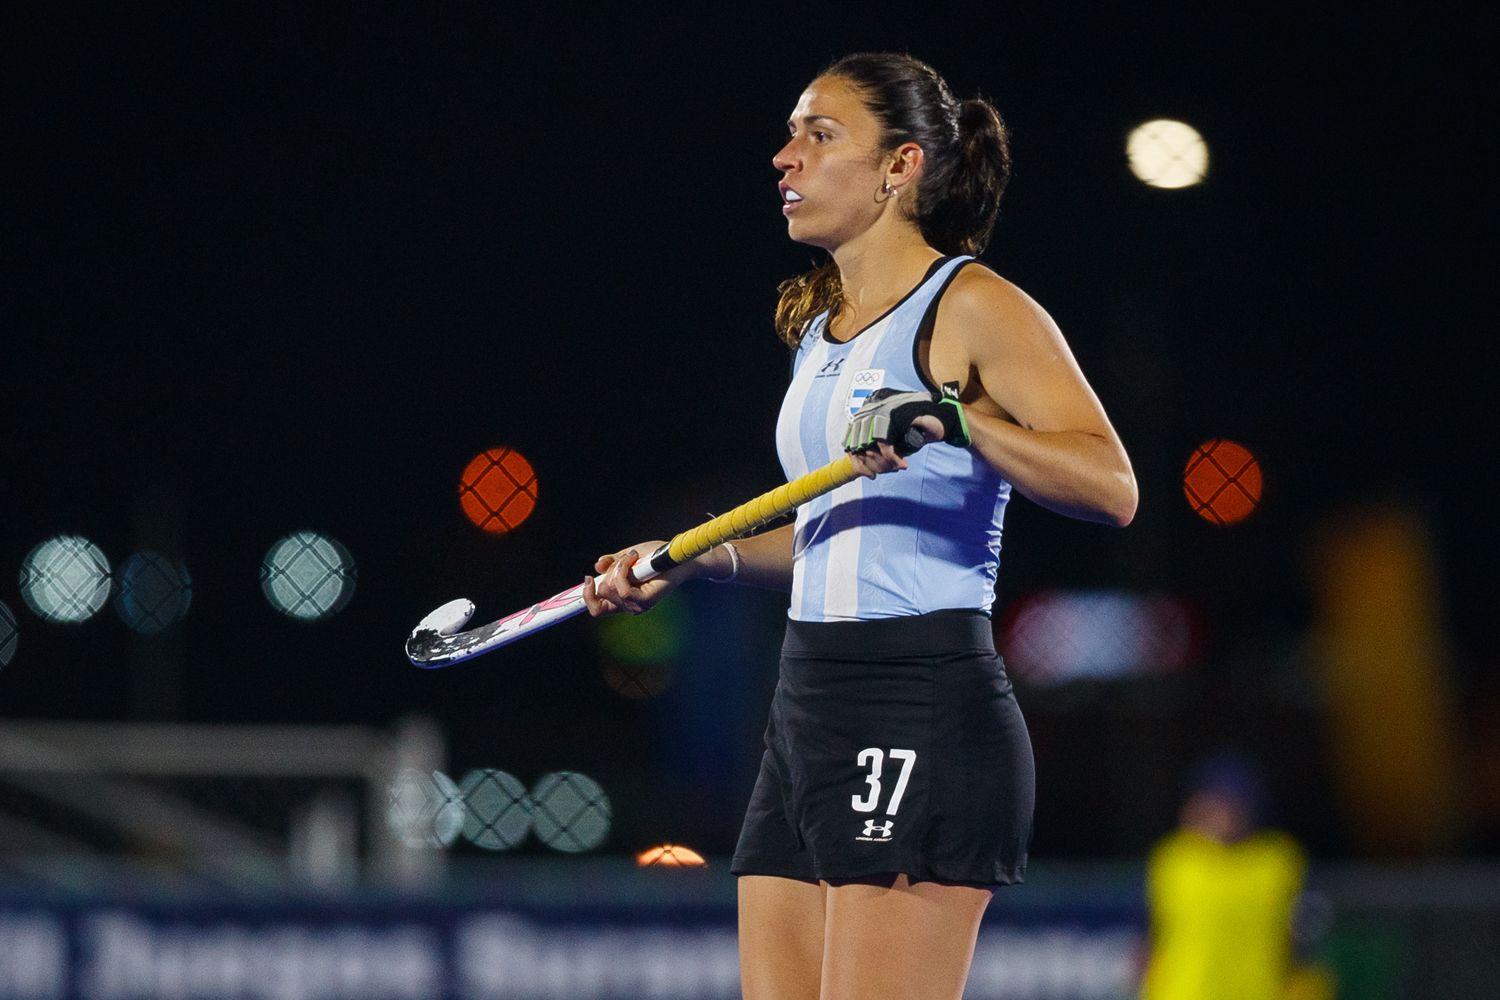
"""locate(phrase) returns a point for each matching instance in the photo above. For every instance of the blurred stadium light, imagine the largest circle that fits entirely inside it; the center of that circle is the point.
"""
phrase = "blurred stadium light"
(498, 490)
(670, 856)
(571, 812)
(423, 808)
(308, 576)
(154, 592)
(1059, 636)
(1165, 153)
(65, 579)
(1222, 481)
(9, 634)
(497, 809)
(639, 652)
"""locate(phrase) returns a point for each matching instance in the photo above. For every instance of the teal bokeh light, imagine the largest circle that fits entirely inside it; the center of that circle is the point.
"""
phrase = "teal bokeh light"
(65, 579)
(423, 809)
(497, 809)
(9, 634)
(571, 812)
(153, 592)
(308, 576)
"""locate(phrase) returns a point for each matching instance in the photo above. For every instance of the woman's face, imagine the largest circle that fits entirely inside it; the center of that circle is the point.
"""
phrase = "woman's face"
(831, 166)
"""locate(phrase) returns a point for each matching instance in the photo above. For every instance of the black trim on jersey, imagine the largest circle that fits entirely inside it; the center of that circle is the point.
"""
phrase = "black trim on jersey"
(924, 328)
(936, 265)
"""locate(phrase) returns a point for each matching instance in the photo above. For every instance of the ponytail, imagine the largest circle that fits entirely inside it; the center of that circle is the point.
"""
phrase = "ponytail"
(957, 212)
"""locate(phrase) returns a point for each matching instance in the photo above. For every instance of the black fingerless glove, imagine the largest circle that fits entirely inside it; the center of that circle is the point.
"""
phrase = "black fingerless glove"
(887, 415)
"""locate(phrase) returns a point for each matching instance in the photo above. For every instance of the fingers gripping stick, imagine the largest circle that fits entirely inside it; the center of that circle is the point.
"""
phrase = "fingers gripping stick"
(888, 415)
(438, 642)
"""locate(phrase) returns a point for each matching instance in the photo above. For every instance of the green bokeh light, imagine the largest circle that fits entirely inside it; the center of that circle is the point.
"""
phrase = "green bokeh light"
(654, 637)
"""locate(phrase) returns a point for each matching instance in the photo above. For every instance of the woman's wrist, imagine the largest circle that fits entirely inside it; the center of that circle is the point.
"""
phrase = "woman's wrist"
(724, 566)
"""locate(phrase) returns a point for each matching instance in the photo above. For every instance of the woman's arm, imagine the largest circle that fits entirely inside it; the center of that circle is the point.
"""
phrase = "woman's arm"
(765, 561)
(1050, 439)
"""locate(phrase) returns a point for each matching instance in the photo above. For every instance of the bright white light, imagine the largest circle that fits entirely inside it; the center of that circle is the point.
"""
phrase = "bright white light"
(572, 812)
(1167, 154)
(153, 592)
(1094, 634)
(424, 810)
(308, 576)
(8, 634)
(65, 579)
(497, 810)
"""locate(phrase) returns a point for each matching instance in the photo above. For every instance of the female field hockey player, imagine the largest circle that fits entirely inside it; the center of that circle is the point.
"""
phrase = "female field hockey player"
(896, 789)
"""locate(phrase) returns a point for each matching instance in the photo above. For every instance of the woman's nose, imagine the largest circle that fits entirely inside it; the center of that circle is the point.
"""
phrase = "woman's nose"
(784, 160)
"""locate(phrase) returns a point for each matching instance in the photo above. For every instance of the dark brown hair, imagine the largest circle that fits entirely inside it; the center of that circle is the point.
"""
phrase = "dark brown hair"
(966, 163)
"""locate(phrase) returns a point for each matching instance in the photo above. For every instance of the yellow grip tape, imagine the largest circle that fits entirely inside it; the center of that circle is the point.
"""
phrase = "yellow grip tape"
(752, 514)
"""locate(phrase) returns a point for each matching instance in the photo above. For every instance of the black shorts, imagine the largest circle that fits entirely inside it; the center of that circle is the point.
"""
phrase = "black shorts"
(894, 745)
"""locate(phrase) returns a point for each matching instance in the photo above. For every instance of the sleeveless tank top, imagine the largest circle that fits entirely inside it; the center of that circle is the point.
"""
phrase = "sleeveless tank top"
(922, 539)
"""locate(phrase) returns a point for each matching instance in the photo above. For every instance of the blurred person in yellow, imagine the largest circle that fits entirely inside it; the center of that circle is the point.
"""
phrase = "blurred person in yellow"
(1222, 894)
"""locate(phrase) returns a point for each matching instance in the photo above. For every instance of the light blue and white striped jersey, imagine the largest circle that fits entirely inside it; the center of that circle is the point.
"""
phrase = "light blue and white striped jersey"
(905, 543)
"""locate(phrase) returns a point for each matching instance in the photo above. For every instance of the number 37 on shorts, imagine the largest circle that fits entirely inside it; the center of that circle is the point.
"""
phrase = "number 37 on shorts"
(873, 760)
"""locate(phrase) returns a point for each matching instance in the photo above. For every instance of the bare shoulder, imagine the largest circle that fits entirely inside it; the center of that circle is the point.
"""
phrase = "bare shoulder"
(1017, 357)
(977, 283)
(991, 313)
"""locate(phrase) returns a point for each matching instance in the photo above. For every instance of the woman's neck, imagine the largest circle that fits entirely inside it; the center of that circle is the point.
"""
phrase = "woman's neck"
(879, 267)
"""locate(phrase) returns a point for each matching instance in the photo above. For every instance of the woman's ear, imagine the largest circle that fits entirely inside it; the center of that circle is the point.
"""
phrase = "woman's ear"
(904, 165)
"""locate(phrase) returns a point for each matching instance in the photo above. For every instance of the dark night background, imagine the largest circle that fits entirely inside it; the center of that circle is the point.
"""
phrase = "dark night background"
(268, 269)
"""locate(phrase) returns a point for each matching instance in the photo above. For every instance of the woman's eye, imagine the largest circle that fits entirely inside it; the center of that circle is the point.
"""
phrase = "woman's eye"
(815, 136)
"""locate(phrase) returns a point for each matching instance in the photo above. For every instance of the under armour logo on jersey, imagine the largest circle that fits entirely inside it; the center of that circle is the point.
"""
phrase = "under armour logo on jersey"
(883, 829)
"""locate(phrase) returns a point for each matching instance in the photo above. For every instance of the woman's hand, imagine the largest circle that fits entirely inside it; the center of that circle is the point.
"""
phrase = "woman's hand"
(882, 457)
(615, 591)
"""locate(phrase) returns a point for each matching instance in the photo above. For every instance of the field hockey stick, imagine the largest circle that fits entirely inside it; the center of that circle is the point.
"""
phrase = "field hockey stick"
(438, 642)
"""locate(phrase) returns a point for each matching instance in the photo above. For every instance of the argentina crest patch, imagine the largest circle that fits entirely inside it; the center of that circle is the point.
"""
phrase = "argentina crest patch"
(860, 387)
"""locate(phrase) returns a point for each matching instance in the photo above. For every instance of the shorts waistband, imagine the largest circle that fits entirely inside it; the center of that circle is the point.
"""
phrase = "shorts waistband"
(956, 630)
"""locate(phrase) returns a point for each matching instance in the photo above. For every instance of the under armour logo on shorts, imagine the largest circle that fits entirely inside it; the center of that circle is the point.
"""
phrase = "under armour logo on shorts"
(872, 828)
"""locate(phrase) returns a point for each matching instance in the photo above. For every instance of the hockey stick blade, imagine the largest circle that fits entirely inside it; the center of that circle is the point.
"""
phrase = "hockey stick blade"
(437, 641)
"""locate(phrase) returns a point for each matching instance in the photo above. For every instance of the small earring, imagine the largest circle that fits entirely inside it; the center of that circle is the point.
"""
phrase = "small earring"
(885, 188)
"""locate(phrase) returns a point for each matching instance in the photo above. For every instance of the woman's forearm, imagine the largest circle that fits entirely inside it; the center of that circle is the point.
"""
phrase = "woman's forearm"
(765, 560)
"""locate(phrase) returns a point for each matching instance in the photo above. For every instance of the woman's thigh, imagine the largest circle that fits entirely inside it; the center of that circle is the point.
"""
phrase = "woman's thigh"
(781, 937)
(905, 942)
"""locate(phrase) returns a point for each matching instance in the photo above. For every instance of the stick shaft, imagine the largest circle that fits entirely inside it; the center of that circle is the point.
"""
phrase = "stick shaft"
(750, 515)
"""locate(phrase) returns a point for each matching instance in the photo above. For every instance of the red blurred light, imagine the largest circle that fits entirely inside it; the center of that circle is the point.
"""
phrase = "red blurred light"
(498, 489)
(1222, 481)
